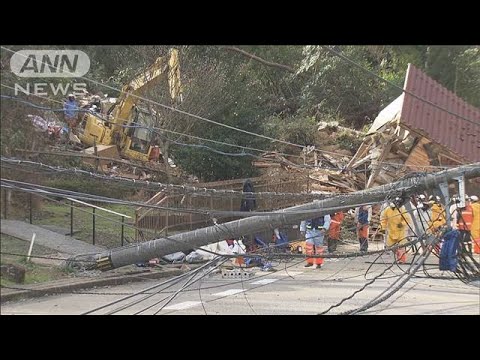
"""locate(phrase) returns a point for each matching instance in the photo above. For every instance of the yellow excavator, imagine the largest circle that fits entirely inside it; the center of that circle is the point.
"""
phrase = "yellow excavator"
(126, 125)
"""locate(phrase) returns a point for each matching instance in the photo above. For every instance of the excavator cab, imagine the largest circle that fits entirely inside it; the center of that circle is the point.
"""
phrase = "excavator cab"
(137, 143)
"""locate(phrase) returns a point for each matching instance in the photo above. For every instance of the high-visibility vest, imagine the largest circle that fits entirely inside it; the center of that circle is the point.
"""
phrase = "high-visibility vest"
(337, 218)
(438, 216)
(465, 218)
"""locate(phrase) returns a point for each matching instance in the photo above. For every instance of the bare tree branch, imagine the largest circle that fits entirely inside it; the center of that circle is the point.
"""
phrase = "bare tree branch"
(259, 59)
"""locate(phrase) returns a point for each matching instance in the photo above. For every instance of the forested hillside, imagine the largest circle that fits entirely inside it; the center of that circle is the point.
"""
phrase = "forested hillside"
(280, 92)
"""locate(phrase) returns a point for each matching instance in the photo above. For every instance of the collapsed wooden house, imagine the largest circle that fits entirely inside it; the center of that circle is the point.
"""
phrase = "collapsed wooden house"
(426, 127)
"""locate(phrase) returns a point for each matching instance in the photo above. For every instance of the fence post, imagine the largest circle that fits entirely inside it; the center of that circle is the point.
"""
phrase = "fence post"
(95, 153)
(93, 213)
(166, 217)
(30, 203)
(136, 225)
(123, 221)
(5, 203)
(190, 215)
(71, 218)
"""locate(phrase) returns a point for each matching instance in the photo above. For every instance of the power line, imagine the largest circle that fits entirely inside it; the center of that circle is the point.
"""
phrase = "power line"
(392, 289)
(396, 86)
(32, 94)
(152, 129)
(45, 257)
(174, 109)
(46, 190)
(38, 106)
(356, 291)
(157, 185)
(174, 279)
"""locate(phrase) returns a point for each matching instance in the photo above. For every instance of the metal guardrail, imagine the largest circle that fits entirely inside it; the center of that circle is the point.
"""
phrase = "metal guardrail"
(19, 211)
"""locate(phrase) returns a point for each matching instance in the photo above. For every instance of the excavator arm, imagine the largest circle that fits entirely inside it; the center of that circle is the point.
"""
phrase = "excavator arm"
(147, 80)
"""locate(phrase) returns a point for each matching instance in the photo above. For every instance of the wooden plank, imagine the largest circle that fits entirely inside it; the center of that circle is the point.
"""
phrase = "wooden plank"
(360, 153)
(259, 164)
(419, 156)
(378, 162)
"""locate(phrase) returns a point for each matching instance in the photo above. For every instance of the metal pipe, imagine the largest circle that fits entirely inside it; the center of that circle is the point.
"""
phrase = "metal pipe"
(30, 204)
(93, 213)
(5, 203)
(123, 224)
(71, 218)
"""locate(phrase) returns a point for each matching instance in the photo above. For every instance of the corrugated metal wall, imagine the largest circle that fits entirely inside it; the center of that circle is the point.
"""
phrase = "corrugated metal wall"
(460, 136)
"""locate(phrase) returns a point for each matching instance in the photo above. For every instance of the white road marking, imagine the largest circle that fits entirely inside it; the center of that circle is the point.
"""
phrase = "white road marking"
(183, 305)
(229, 292)
(264, 281)
(286, 273)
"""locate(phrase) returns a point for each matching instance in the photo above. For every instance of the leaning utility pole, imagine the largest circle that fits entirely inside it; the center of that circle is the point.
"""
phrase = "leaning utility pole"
(142, 252)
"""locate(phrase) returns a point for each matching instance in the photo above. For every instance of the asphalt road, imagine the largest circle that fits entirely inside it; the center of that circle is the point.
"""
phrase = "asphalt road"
(292, 289)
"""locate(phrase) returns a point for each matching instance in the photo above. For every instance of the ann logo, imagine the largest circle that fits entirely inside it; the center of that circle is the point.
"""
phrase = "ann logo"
(50, 63)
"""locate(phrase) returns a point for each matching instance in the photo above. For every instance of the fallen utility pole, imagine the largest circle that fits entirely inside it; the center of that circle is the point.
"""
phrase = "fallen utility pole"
(143, 252)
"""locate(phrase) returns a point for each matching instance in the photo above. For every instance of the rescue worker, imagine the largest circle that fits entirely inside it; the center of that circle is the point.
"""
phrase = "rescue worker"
(395, 221)
(248, 203)
(453, 211)
(314, 231)
(70, 109)
(97, 103)
(334, 231)
(437, 214)
(363, 216)
(475, 232)
(464, 226)
(422, 212)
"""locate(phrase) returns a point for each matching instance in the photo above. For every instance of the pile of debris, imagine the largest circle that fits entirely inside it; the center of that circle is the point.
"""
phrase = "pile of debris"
(320, 172)
(273, 159)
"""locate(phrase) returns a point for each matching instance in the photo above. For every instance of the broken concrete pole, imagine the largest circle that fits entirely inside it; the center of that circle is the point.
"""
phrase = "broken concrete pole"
(142, 252)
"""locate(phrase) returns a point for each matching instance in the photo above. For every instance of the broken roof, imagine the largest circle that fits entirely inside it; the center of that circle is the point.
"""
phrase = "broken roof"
(460, 134)
(390, 114)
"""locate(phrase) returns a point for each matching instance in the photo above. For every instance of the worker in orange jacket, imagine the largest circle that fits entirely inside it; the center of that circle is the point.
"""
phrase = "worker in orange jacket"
(363, 216)
(334, 230)
(475, 232)
(464, 226)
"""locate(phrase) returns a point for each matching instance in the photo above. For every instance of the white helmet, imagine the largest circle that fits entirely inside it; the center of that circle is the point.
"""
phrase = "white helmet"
(474, 198)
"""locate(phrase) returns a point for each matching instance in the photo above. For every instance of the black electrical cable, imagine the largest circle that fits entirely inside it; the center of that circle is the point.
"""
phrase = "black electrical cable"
(396, 86)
